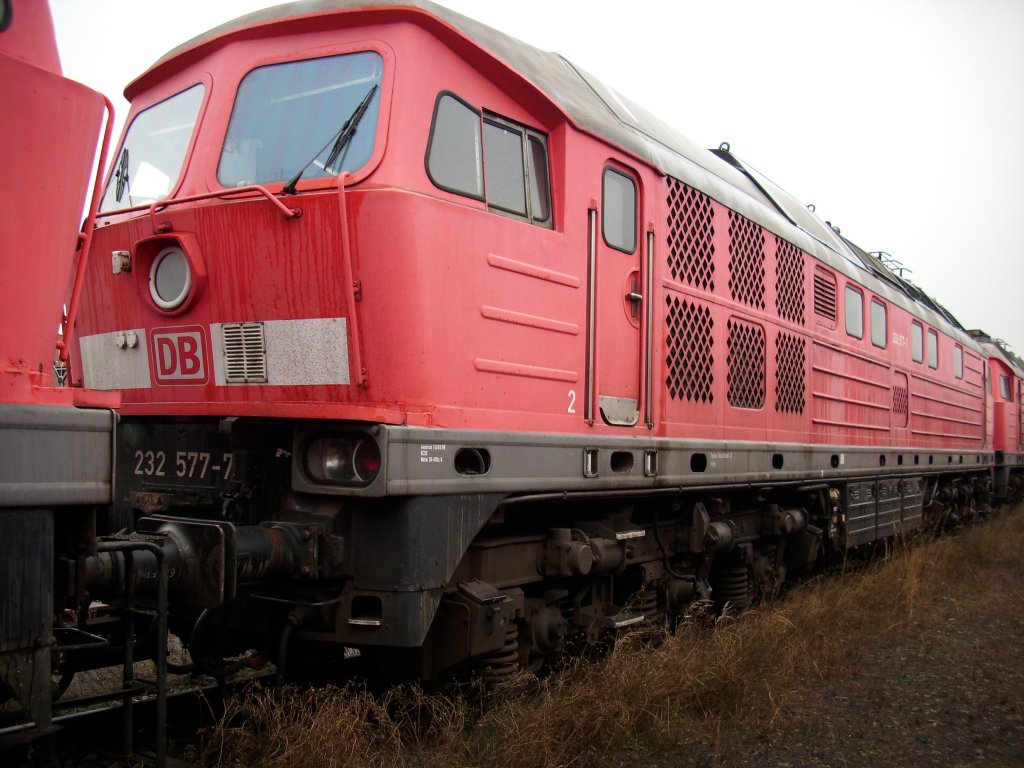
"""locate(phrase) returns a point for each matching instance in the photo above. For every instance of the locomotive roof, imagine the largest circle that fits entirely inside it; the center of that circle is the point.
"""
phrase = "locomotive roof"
(599, 110)
(998, 348)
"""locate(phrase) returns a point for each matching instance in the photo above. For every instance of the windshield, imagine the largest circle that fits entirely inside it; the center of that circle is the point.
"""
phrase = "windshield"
(284, 113)
(150, 160)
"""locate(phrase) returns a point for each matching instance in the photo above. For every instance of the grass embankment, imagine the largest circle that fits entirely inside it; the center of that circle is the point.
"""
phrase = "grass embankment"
(764, 675)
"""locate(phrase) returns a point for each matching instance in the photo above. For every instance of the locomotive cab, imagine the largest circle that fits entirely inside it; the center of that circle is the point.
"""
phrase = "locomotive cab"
(328, 308)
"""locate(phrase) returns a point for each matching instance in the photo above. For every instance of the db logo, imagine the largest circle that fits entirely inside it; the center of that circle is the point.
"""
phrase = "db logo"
(178, 355)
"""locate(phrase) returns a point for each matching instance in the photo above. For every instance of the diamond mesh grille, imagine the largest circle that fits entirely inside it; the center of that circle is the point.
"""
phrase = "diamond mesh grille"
(789, 373)
(244, 353)
(824, 295)
(691, 250)
(690, 343)
(746, 261)
(900, 405)
(746, 365)
(789, 281)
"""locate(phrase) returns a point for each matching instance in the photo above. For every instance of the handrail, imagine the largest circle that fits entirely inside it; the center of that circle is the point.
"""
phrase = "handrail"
(649, 333)
(85, 236)
(590, 396)
(352, 287)
(126, 547)
(289, 213)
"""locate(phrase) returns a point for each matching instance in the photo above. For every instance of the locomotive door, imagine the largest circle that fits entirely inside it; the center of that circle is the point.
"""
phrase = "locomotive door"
(617, 303)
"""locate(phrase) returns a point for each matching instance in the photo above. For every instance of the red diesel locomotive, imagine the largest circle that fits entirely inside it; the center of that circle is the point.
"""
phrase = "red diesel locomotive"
(434, 348)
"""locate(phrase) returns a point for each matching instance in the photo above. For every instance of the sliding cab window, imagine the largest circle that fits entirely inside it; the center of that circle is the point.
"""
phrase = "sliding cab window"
(313, 118)
(618, 195)
(917, 342)
(958, 361)
(150, 160)
(489, 158)
(455, 152)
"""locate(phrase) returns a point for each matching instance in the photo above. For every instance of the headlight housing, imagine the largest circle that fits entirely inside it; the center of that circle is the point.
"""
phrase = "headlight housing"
(349, 459)
(170, 278)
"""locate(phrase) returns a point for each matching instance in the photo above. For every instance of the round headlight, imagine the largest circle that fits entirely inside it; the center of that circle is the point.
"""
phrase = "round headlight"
(170, 278)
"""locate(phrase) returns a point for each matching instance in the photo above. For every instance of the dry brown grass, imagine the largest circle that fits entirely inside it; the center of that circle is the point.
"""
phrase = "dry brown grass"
(770, 669)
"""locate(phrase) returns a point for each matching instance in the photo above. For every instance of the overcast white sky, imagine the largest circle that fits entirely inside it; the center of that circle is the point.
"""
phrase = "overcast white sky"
(901, 120)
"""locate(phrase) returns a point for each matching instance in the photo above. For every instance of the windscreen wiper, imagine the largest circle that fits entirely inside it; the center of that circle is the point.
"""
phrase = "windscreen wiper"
(340, 141)
(121, 176)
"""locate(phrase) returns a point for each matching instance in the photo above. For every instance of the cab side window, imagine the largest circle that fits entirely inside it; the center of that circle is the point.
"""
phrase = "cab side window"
(489, 158)
(454, 154)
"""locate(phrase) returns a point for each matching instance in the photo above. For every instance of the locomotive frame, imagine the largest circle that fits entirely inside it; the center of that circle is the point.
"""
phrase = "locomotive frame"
(508, 362)
(527, 338)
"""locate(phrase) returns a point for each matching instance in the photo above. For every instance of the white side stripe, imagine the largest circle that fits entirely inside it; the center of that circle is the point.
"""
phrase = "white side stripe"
(299, 352)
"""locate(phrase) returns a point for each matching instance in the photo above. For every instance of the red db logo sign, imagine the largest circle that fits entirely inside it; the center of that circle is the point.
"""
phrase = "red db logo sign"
(178, 355)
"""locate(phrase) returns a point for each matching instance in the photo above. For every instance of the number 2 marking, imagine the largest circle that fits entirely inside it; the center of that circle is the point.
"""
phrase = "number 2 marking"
(572, 401)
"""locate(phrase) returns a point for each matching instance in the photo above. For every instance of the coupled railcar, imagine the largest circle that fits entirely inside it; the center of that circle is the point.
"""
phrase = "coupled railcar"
(448, 364)
(1004, 416)
(55, 442)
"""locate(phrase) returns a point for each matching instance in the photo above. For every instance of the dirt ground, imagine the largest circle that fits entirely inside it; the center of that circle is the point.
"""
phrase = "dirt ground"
(955, 697)
(949, 694)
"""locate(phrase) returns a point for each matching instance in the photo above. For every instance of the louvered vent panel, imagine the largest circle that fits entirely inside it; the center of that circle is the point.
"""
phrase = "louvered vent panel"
(824, 295)
(691, 250)
(690, 343)
(789, 279)
(746, 261)
(245, 353)
(790, 360)
(746, 365)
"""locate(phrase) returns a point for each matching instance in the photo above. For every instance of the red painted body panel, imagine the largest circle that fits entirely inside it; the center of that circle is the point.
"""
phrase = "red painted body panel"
(46, 172)
(460, 317)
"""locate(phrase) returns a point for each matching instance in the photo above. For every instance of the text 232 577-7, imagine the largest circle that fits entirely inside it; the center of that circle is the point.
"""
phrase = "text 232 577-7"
(192, 465)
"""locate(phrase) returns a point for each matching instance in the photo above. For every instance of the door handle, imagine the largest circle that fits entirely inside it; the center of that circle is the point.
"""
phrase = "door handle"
(634, 297)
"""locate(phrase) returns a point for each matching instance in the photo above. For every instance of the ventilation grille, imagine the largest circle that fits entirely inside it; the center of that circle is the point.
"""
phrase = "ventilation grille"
(790, 361)
(789, 276)
(691, 252)
(245, 353)
(824, 295)
(690, 342)
(746, 365)
(746, 261)
(900, 405)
